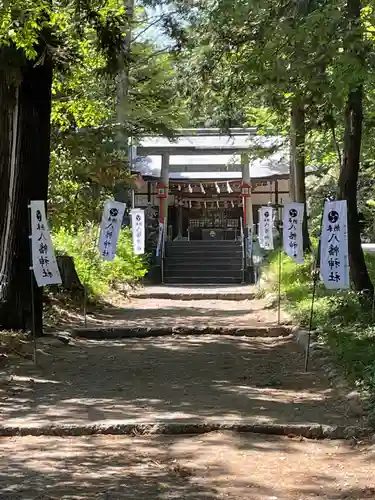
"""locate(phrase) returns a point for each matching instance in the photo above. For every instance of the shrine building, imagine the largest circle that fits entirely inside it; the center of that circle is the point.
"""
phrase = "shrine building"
(205, 188)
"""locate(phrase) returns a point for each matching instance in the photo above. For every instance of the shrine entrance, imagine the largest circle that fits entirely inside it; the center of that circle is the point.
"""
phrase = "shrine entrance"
(204, 215)
(218, 223)
(207, 188)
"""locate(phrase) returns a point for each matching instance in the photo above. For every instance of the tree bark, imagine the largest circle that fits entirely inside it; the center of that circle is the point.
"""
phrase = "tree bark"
(69, 277)
(25, 109)
(297, 161)
(347, 189)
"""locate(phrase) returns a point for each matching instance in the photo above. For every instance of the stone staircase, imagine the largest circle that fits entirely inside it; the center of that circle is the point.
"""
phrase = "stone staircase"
(203, 262)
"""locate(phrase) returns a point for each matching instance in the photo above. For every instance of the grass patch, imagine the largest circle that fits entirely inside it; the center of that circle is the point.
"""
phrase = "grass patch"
(97, 274)
(340, 317)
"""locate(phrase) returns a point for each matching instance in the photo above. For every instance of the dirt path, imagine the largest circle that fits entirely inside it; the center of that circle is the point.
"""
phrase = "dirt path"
(195, 379)
(189, 378)
(180, 379)
(172, 313)
(176, 307)
(214, 466)
(177, 312)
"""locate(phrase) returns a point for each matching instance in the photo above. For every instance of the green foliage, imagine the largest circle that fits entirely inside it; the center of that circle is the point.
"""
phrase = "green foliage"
(250, 60)
(92, 270)
(21, 23)
(89, 157)
(322, 182)
(267, 120)
(263, 53)
(57, 26)
(86, 39)
(341, 318)
(78, 185)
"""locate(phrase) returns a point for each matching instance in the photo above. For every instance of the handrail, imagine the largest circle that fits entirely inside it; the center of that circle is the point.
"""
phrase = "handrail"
(163, 250)
(243, 246)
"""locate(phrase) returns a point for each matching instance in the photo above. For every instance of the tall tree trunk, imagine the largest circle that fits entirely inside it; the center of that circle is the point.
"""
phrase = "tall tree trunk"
(25, 109)
(297, 163)
(347, 189)
(122, 191)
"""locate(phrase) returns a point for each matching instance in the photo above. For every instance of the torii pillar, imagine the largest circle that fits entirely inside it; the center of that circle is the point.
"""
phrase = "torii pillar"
(163, 190)
(246, 196)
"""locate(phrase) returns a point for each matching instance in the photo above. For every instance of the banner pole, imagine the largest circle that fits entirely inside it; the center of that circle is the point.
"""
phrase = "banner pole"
(31, 268)
(315, 282)
(280, 271)
(307, 355)
(85, 304)
(85, 285)
(279, 223)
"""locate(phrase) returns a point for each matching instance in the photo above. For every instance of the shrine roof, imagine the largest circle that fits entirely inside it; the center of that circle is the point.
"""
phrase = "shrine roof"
(216, 167)
(208, 141)
(205, 154)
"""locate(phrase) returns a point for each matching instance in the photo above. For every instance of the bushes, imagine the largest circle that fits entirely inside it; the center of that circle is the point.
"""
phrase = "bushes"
(340, 317)
(331, 307)
(97, 274)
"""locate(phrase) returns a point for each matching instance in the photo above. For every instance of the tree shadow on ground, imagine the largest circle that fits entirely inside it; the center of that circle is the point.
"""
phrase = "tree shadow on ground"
(211, 467)
(98, 467)
(174, 312)
(222, 379)
(198, 313)
(160, 313)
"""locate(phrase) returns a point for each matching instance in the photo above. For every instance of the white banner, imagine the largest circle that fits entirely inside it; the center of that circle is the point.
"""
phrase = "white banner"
(113, 215)
(334, 265)
(138, 230)
(45, 267)
(265, 228)
(292, 231)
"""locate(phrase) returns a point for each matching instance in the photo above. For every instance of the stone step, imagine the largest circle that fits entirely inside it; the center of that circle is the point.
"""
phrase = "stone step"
(192, 265)
(144, 332)
(204, 242)
(203, 280)
(191, 292)
(212, 252)
(203, 262)
(195, 273)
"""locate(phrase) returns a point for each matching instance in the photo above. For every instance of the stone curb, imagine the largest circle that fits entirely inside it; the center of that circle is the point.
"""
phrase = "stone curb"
(321, 354)
(357, 402)
(99, 333)
(308, 431)
(194, 296)
(302, 339)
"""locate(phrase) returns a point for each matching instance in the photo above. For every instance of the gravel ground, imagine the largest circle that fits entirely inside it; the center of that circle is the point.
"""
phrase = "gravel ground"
(216, 466)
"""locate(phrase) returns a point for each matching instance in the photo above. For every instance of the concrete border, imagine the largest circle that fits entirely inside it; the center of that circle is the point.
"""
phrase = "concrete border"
(105, 333)
(195, 296)
(308, 431)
